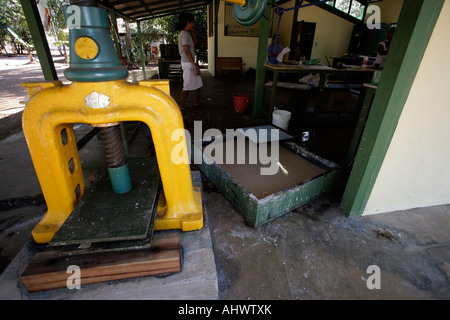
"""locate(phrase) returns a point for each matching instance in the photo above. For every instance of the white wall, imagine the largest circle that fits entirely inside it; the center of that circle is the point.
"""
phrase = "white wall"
(416, 171)
(333, 33)
(332, 36)
(390, 10)
(246, 47)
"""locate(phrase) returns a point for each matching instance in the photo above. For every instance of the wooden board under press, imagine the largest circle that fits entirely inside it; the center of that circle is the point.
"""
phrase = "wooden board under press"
(48, 270)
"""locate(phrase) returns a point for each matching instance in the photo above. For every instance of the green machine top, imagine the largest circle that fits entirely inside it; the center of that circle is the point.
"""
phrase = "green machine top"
(93, 57)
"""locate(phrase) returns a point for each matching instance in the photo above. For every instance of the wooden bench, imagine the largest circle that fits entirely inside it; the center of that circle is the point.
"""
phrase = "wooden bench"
(228, 64)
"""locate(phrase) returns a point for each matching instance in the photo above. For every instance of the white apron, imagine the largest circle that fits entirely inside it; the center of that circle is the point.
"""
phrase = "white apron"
(191, 81)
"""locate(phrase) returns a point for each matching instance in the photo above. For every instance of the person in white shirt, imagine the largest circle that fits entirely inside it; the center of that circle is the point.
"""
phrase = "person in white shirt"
(383, 49)
(192, 80)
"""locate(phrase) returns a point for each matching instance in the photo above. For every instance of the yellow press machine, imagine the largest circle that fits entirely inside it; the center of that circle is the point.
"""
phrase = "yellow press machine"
(100, 96)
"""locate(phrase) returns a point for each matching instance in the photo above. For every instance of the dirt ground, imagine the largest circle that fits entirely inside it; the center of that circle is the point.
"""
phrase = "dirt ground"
(14, 71)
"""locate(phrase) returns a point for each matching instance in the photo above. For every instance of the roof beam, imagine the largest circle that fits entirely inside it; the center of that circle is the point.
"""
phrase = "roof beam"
(169, 13)
(105, 4)
(151, 9)
(164, 9)
(156, 3)
(115, 3)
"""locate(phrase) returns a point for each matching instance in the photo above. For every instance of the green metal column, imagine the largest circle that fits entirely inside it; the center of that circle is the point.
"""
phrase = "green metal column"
(294, 27)
(115, 32)
(141, 46)
(264, 29)
(40, 41)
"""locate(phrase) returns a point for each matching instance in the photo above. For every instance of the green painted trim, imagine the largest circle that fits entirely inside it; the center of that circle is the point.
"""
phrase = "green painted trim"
(415, 26)
(264, 28)
(40, 41)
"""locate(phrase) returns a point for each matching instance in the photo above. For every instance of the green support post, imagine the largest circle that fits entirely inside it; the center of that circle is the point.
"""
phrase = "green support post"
(264, 28)
(115, 32)
(40, 41)
(216, 33)
(141, 46)
(298, 3)
(415, 26)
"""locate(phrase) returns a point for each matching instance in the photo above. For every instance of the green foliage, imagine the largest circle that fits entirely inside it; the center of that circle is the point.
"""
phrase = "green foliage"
(58, 24)
(168, 24)
(201, 32)
(353, 8)
(157, 29)
(12, 16)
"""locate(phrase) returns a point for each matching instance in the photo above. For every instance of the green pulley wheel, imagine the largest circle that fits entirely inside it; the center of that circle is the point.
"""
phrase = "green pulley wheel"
(250, 12)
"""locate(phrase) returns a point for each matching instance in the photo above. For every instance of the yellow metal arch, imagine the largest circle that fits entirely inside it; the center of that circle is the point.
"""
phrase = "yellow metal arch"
(47, 124)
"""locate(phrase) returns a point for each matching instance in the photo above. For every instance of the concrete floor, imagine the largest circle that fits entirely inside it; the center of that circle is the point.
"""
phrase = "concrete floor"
(313, 252)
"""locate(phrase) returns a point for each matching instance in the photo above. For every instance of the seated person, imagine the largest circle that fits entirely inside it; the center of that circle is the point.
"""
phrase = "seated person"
(274, 49)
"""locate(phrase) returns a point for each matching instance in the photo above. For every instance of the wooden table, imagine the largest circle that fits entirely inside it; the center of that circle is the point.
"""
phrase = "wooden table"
(303, 69)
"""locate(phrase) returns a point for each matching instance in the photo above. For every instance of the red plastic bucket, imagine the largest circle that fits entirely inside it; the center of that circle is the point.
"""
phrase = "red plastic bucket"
(241, 102)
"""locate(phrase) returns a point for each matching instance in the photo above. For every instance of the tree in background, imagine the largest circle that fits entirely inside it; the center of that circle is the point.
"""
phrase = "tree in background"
(164, 29)
(57, 26)
(153, 30)
(201, 32)
(12, 16)
(353, 8)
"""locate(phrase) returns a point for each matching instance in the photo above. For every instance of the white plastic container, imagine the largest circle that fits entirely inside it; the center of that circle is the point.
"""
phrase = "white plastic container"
(281, 118)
